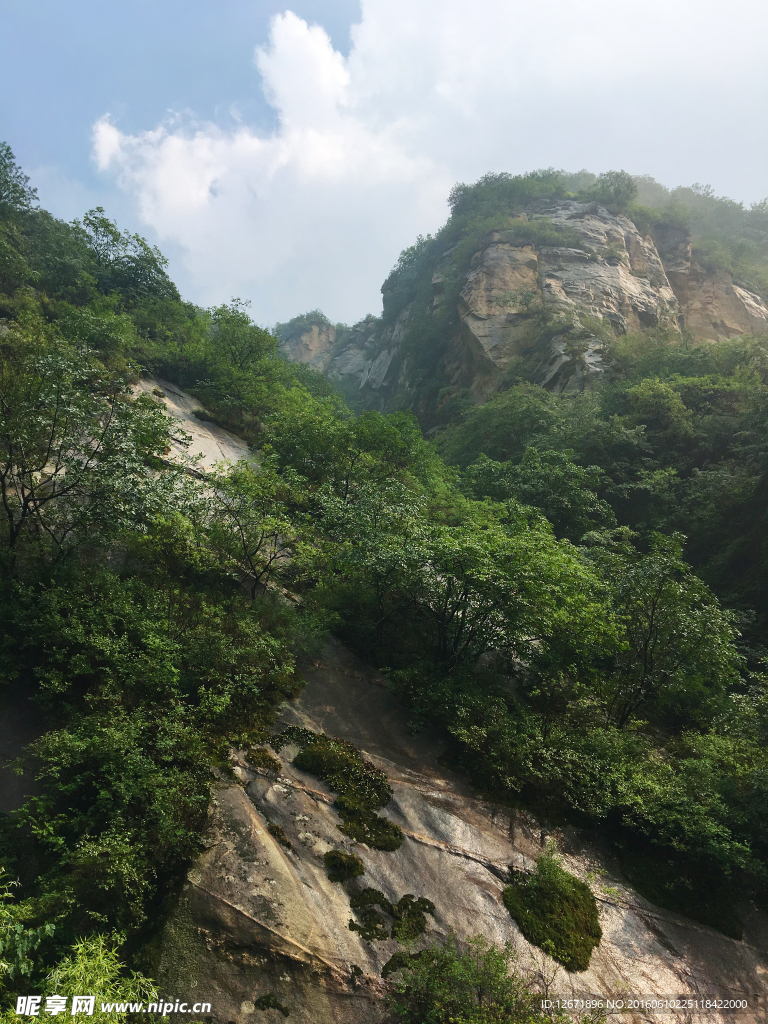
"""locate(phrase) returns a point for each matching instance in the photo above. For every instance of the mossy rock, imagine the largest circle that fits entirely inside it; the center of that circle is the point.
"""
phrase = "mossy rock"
(343, 866)
(361, 787)
(369, 829)
(260, 757)
(556, 912)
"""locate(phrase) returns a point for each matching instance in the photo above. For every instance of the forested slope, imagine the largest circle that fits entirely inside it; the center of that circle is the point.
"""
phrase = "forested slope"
(526, 591)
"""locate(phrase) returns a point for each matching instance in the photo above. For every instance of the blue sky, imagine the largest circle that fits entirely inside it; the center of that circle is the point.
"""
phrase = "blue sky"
(285, 153)
(66, 63)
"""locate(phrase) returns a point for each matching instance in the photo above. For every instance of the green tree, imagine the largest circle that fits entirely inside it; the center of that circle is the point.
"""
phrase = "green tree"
(94, 965)
(616, 189)
(679, 643)
(550, 481)
(235, 338)
(125, 263)
(16, 194)
(504, 427)
(251, 525)
(73, 444)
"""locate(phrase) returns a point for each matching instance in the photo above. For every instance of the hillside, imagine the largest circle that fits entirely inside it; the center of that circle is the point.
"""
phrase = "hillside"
(531, 281)
(298, 690)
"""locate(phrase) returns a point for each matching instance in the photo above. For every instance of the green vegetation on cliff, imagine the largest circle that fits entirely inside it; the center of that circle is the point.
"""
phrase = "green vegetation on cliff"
(529, 591)
(555, 911)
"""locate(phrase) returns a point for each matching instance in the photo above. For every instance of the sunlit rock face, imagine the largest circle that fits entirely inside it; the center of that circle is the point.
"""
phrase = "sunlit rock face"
(543, 311)
(617, 280)
(714, 308)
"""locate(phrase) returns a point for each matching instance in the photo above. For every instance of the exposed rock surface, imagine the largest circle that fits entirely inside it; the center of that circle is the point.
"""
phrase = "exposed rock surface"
(312, 345)
(551, 305)
(255, 918)
(207, 444)
(713, 307)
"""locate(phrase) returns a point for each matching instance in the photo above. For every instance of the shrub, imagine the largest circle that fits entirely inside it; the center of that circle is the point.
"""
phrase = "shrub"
(258, 757)
(339, 764)
(556, 912)
(343, 866)
(367, 828)
(373, 925)
(478, 986)
(410, 917)
(408, 914)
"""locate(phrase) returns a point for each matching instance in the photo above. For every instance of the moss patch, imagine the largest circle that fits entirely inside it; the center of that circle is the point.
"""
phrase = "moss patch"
(260, 757)
(556, 912)
(372, 926)
(277, 832)
(368, 828)
(361, 787)
(343, 866)
(408, 916)
(270, 1002)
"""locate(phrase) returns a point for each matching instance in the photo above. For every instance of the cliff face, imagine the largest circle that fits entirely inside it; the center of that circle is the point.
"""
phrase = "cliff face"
(541, 310)
(310, 343)
(256, 919)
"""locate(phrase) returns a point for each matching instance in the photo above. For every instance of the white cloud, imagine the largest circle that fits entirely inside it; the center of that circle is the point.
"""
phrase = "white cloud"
(434, 91)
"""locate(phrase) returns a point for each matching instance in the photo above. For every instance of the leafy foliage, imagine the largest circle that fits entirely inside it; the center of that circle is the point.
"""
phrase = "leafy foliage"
(94, 965)
(531, 594)
(477, 986)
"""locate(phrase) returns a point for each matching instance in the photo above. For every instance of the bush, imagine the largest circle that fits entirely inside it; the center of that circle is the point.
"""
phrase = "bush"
(410, 917)
(258, 757)
(343, 866)
(368, 828)
(556, 912)
(339, 764)
(374, 926)
(477, 986)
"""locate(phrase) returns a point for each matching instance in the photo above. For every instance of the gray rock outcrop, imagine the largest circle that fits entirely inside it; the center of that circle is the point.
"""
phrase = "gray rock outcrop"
(310, 343)
(548, 308)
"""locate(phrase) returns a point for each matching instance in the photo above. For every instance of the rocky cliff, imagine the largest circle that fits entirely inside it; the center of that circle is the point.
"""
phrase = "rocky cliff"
(257, 919)
(543, 311)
